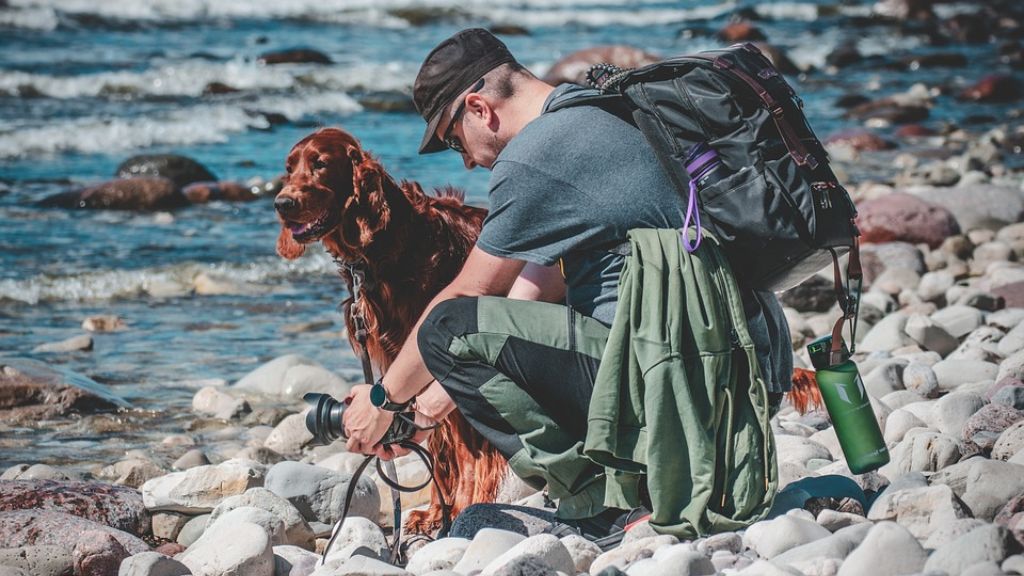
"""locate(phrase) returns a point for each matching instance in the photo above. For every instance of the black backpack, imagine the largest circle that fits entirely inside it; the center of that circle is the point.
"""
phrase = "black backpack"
(771, 198)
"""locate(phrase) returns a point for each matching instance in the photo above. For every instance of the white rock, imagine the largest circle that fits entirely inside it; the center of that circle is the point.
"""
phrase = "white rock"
(294, 560)
(901, 552)
(359, 566)
(199, 490)
(885, 378)
(836, 546)
(319, 493)
(920, 379)
(628, 553)
(990, 485)
(546, 547)
(898, 424)
(271, 524)
(193, 529)
(922, 451)
(132, 472)
(799, 450)
(1012, 367)
(356, 532)
(290, 435)
(1013, 341)
(833, 520)
(1005, 319)
(958, 320)
(953, 373)
(191, 459)
(985, 543)
(947, 533)
(73, 344)
(900, 398)
(488, 544)
(953, 410)
(766, 568)
(443, 554)
(215, 402)
(887, 335)
(152, 564)
(583, 551)
(930, 335)
(241, 549)
(297, 530)
(291, 376)
(167, 525)
(933, 285)
(676, 560)
(769, 538)
(1009, 442)
(920, 510)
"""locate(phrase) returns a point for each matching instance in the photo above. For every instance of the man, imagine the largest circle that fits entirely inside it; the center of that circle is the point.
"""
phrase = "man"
(565, 188)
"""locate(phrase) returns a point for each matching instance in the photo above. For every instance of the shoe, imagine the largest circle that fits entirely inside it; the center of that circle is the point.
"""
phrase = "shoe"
(607, 529)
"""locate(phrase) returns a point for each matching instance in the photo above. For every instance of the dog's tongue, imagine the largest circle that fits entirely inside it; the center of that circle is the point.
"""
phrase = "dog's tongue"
(298, 228)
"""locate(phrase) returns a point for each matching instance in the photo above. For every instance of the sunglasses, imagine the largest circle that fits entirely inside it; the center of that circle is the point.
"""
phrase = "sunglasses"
(453, 142)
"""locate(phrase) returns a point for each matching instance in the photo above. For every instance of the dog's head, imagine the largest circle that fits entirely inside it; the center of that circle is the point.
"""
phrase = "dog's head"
(331, 183)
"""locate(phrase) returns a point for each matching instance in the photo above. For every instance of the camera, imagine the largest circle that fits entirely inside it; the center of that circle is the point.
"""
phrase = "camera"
(325, 421)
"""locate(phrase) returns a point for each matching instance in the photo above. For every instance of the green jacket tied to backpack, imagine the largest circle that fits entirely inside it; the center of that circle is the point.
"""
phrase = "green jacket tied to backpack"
(679, 395)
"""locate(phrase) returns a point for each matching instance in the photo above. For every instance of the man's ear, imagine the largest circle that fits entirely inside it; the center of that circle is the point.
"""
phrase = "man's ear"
(287, 247)
(478, 105)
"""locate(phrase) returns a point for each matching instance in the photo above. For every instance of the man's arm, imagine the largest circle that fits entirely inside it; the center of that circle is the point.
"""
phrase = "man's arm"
(482, 275)
(542, 283)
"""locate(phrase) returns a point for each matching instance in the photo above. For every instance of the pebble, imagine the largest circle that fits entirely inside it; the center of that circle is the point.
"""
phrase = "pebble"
(922, 510)
(355, 533)
(545, 547)
(319, 494)
(984, 426)
(297, 530)
(236, 548)
(445, 553)
(167, 525)
(214, 402)
(271, 524)
(198, 490)
(1011, 396)
(836, 546)
(97, 554)
(930, 335)
(769, 538)
(290, 436)
(628, 553)
(983, 544)
(898, 549)
(291, 376)
(191, 459)
(1009, 442)
(953, 410)
(953, 373)
(193, 529)
(488, 544)
(152, 564)
(73, 344)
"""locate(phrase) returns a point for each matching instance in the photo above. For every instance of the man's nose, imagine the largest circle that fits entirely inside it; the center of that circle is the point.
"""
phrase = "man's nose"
(285, 205)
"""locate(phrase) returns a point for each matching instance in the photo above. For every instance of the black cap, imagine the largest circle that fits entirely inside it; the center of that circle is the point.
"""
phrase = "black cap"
(451, 68)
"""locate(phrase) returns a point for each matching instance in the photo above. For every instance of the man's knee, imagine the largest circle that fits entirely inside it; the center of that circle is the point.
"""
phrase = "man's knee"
(448, 320)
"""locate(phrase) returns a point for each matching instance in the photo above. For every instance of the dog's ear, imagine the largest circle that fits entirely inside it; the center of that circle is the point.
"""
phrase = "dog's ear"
(368, 191)
(287, 247)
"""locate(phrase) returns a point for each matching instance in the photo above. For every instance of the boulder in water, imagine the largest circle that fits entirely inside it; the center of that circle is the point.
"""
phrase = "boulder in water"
(144, 193)
(31, 391)
(181, 170)
(573, 68)
(295, 56)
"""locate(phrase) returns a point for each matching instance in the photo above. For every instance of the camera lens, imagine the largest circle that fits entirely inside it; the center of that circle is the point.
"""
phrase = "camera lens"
(324, 419)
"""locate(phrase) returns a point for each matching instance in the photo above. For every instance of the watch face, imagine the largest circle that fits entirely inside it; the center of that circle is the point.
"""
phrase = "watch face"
(378, 395)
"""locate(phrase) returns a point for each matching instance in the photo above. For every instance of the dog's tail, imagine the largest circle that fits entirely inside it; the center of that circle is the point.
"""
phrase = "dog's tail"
(805, 395)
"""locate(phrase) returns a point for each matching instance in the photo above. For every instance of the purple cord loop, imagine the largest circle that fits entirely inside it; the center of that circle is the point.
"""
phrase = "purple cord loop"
(701, 160)
(691, 212)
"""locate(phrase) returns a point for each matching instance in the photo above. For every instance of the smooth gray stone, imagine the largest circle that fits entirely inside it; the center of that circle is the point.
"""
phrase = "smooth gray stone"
(986, 543)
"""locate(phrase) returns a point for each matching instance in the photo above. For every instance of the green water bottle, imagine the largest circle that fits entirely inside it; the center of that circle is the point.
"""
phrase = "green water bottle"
(849, 408)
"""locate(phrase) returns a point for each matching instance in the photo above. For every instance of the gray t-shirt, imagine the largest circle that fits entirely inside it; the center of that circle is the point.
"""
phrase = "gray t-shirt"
(570, 185)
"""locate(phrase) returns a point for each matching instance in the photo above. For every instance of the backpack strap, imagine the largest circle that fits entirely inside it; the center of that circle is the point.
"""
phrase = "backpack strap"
(793, 142)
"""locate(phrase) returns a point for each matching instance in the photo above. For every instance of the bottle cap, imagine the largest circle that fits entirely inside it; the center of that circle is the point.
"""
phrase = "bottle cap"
(821, 349)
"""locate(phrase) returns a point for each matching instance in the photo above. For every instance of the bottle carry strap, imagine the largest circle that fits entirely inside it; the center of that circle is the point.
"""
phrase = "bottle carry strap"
(849, 300)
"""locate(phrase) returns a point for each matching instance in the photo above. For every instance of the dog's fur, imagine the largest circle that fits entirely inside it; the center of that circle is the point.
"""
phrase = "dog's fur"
(411, 245)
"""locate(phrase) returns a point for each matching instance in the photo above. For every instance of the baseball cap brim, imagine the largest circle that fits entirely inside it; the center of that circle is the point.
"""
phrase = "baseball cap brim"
(431, 143)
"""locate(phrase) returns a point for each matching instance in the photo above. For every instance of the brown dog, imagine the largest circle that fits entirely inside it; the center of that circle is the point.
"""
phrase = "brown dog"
(410, 245)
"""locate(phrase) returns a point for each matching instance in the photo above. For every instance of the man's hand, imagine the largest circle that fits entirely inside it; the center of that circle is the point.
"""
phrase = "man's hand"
(395, 451)
(365, 424)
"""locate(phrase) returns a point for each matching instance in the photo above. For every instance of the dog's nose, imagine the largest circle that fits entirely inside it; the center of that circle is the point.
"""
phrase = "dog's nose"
(285, 205)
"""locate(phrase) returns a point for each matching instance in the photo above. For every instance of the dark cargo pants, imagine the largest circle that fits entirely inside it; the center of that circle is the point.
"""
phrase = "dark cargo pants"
(522, 372)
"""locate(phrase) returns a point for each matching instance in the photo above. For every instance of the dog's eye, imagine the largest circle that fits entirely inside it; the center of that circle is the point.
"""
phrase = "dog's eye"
(319, 164)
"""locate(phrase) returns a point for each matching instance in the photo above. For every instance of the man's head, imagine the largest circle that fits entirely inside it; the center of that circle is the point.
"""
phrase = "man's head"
(462, 91)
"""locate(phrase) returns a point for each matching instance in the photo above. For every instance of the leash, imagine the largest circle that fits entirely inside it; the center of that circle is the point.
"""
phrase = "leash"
(385, 469)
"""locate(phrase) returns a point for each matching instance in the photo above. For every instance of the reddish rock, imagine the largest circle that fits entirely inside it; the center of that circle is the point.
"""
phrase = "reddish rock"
(170, 549)
(124, 194)
(203, 192)
(905, 218)
(115, 506)
(573, 68)
(985, 425)
(97, 554)
(48, 528)
(914, 131)
(889, 110)
(861, 141)
(294, 56)
(32, 391)
(741, 31)
(994, 88)
(1011, 517)
(1012, 293)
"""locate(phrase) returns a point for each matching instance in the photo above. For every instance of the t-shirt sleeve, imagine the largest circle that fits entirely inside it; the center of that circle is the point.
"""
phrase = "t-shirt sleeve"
(533, 216)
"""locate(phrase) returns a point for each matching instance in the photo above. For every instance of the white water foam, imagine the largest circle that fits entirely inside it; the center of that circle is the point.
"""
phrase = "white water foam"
(788, 11)
(45, 14)
(597, 18)
(206, 123)
(108, 284)
(191, 77)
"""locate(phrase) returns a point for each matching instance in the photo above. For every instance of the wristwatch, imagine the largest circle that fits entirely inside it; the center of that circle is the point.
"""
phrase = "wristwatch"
(379, 398)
